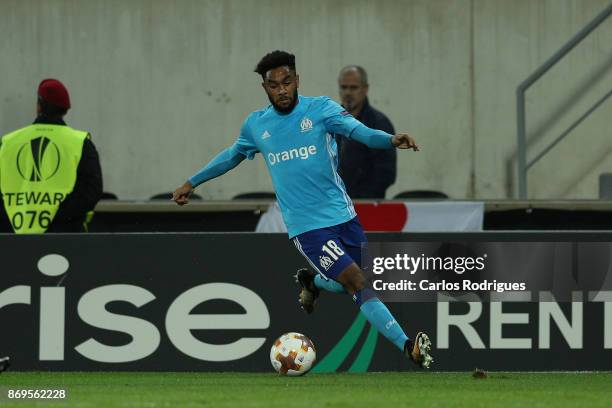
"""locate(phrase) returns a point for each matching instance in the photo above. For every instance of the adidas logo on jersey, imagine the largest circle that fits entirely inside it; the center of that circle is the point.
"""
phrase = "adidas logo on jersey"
(265, 135)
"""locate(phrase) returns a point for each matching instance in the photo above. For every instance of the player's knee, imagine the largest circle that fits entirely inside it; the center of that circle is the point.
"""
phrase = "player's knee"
(353, 280)
(358, 284)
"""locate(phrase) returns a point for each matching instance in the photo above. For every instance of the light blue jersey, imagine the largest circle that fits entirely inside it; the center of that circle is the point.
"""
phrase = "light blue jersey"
(301, 154)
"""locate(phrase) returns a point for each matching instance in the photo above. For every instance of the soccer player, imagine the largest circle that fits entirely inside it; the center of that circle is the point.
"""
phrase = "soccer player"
(295, 135)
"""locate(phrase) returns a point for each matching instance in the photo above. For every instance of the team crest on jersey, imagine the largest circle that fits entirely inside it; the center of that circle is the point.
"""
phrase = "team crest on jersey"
(325, 262)
(306, 125)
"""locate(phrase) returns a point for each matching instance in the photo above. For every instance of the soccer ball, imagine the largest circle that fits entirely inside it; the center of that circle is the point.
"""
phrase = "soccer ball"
(293, 354)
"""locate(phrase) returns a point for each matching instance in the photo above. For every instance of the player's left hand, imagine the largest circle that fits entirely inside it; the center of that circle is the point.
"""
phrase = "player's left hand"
(404, 141)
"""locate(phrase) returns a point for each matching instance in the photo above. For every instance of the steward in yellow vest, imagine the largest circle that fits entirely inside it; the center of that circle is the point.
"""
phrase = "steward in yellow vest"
(50, 174)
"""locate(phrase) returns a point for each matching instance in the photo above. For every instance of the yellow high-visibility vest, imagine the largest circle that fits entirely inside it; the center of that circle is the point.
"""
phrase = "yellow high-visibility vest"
(38, 169)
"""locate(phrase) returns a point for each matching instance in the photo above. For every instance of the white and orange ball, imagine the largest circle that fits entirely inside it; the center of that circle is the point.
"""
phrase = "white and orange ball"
(293, 354)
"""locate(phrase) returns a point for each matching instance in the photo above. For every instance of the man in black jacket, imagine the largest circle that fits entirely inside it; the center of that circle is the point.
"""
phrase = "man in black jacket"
(53, 103)
(367, 173)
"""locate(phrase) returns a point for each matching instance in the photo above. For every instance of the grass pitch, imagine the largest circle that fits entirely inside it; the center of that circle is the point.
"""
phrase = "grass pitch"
(413, 389)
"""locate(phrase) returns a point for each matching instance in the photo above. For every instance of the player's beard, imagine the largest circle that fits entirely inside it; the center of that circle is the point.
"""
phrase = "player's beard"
(288, 108)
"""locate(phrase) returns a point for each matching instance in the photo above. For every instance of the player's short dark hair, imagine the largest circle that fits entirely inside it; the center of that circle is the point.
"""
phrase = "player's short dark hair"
(50, 110)
(273, 60)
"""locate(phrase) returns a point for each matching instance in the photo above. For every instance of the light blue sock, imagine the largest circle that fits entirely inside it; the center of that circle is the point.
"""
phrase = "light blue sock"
(380, 317)
(328, 285)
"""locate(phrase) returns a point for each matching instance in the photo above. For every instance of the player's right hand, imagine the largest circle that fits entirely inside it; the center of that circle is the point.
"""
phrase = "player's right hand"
(181, 195)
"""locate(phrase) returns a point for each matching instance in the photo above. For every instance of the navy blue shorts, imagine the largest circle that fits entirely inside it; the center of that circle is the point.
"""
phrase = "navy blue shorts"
(330, 250)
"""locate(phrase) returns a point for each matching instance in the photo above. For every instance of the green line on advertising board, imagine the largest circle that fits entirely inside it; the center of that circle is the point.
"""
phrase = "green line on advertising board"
(362, 362)
(340, 351)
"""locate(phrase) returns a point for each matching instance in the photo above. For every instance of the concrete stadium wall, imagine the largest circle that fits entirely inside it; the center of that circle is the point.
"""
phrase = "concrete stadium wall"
(164, 84)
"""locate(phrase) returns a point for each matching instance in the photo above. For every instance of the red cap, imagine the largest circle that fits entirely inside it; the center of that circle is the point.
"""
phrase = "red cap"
(54, 92)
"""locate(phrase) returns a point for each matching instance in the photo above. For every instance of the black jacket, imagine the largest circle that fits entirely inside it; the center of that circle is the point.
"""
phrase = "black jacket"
(83, 198)
(367, 173)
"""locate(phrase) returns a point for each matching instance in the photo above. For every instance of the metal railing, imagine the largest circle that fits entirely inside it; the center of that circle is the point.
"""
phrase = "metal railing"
(523, 166)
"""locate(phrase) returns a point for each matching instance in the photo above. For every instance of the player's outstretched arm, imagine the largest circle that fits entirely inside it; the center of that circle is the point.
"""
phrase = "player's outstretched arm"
(378, 139)
(220, 164)
(339, 121)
